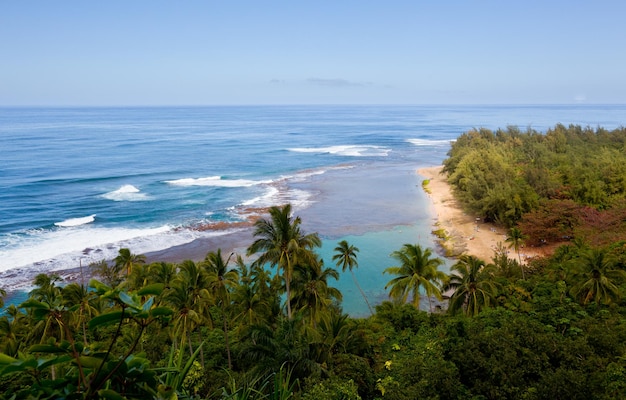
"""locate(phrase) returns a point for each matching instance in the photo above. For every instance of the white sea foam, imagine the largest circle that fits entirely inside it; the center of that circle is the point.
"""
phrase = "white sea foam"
(304, 175)
(39, 245)
(264, 200)
(429, 142)
(215, 181)
(49, 250)
(274, 195)
(76, 221)
(126, 193)
(346, 150)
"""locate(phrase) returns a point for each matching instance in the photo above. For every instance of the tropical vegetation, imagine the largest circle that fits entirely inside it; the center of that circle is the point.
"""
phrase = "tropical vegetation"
(271, 326)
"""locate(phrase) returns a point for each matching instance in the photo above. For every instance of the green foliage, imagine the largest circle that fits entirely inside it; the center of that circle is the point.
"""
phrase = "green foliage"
(332, 389)
(505, 174)
(168, 334)
(417, 270)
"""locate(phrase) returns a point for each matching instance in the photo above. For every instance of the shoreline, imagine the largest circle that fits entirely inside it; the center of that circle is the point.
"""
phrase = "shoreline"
(20, 279)
(465, 234)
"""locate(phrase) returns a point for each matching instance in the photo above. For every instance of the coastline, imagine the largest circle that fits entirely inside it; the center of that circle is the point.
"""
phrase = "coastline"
(466, 234)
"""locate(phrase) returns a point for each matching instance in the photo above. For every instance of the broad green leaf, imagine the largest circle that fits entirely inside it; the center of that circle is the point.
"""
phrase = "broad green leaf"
(43, 363)
(148, 304)
(46, 348)
(161, 311)
(154, 289)
(32, 303)
(99, 286)
(106, 319)
(5, 359)
(129, 300)
(90, 362)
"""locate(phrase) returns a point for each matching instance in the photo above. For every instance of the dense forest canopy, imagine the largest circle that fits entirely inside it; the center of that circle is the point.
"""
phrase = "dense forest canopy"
(510, 177)
(274, 328)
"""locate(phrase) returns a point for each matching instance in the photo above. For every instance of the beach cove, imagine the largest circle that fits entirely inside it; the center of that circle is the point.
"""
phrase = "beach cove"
(170, 172)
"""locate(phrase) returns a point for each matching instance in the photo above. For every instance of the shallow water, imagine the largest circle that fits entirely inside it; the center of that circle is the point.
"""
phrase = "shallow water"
(79, 183)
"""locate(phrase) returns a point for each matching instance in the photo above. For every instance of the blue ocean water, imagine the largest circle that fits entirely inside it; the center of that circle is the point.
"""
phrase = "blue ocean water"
(76, 184)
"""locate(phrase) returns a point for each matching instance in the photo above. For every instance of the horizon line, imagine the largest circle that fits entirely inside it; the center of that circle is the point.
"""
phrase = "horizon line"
(306, 104)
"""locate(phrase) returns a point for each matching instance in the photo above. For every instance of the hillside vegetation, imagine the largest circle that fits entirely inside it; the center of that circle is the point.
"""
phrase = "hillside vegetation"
(274, 328)
(570, 181)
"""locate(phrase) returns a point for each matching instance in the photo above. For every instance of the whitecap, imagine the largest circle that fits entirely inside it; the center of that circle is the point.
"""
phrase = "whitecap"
(126, 193)
(216, 181)
(57, 248)
(264, 200)
(298, 198)
(304, 175)
(430, 142)
(76, 221)
(346, 150)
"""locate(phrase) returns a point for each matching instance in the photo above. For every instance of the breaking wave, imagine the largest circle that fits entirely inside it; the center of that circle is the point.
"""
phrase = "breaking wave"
(126, 193)
(76, 221)
(346, 150)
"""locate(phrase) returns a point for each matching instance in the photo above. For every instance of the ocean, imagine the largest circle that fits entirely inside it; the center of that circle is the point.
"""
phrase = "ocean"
(77, 184)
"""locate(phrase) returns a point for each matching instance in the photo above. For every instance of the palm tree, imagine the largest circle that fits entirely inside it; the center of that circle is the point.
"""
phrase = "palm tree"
(282, 243)
(78, 299)
(162, 272)
(221, 282)
(109, 274)
(125, 260)
(252, 306)
(139, 277)
(3, 294)
(13, 327)
(345, 258)
(311, 294)
(598, 277)
(189, 295)
(515, 239)
(418, 269)
(473, 285)
(45, 306)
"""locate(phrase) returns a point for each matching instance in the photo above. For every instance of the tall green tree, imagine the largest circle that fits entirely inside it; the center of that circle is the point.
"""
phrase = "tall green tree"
(598, 277)
(221, 283)
(125, 260)
(191, 299)
(281, 242)
(162, 272)
(473, 284)
(252, 306)
(346, 258)
(515, 239)
(418, 269)
(312, 295)
(79, 299)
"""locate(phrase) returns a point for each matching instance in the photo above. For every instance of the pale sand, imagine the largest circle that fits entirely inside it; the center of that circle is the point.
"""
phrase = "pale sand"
(467, 233)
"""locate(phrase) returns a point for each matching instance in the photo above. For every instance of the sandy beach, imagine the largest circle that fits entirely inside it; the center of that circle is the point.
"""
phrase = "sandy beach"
(467, 233)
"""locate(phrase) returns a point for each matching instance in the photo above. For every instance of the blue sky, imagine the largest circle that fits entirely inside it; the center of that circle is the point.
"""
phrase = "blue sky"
(321, 52)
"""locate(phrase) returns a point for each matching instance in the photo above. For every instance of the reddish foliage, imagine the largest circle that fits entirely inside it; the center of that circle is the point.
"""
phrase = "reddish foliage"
(554, 221)
(557, 221)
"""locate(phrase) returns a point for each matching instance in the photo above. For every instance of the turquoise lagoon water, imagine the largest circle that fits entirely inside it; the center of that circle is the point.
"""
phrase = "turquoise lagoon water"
(79, 183)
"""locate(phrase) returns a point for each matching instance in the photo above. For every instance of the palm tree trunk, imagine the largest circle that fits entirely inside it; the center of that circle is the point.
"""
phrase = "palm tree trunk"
(288, 286)
(190, 345)
(230, 363)
(520, 265)
(201, 347)
(362, 293)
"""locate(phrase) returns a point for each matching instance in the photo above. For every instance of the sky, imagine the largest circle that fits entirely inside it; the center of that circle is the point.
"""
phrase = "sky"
(132, 53)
